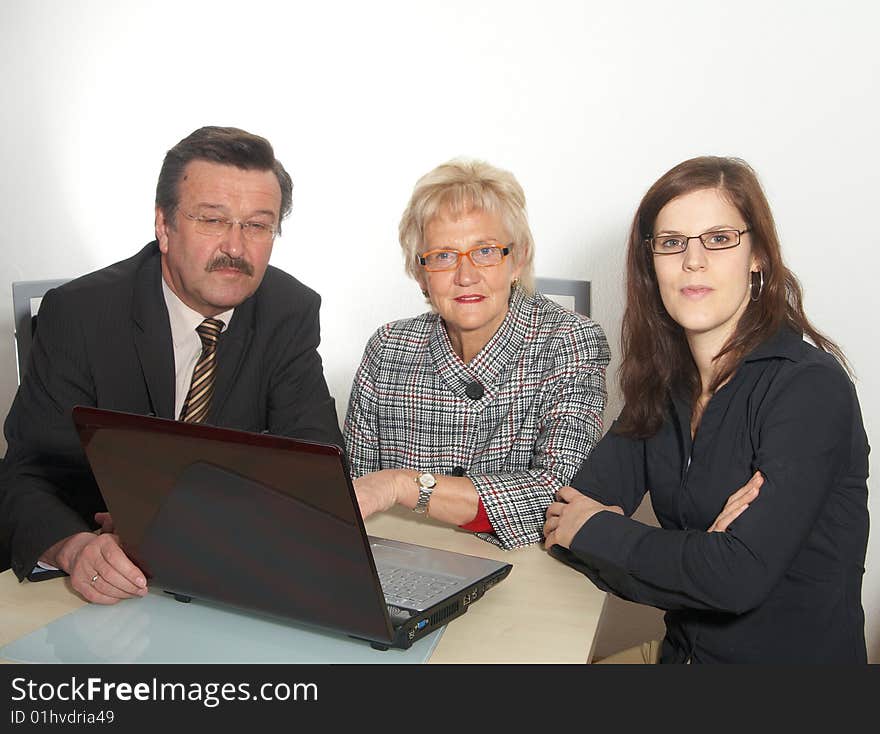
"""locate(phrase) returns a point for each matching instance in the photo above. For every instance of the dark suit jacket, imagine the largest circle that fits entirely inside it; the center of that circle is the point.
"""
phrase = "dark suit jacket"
(105, 340)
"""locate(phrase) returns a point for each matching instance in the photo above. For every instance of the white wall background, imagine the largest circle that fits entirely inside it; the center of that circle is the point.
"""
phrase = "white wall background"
(586, 102)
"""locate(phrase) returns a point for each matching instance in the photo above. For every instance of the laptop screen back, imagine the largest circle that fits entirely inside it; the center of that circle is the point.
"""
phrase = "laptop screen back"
(260, 522)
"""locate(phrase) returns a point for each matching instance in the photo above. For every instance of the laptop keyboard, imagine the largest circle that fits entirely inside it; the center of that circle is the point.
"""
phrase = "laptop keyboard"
(405, 587)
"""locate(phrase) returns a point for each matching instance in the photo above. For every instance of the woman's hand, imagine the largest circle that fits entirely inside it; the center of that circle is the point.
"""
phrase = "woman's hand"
(568, 514)
(737, 503)
(381, 490)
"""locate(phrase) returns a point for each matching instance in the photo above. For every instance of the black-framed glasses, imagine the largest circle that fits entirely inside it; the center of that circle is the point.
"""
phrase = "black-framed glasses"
(717, 239)
(482, 256)
(252, 230)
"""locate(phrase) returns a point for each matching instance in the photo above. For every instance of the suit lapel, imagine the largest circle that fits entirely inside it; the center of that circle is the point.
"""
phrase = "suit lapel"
(231, 349)
(152, 337)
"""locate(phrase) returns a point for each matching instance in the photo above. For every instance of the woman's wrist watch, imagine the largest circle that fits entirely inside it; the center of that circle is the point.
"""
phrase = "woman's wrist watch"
(426, 484)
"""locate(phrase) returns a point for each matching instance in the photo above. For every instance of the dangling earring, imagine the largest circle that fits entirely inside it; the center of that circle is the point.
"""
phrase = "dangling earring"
(514, 284)
(752, 295)
(425, 294)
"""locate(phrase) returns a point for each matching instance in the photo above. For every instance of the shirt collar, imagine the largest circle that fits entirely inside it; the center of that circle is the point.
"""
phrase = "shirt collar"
(183, 319)
(488, 367)
(785, 343)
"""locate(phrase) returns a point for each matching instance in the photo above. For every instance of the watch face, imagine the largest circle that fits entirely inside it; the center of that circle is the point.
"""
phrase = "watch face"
(427, 480)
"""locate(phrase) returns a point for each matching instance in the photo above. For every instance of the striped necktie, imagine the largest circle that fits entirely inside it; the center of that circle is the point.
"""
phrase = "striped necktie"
(198, 399)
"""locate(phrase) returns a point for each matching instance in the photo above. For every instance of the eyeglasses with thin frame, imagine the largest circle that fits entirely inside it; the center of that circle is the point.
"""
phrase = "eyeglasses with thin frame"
(484, 255)
(718, 239)
(212, 226)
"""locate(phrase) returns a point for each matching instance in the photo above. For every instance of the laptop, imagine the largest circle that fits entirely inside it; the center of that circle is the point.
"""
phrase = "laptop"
(268, 524)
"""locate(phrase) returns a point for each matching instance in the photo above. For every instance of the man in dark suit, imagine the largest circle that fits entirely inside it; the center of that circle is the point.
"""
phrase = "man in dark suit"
(196, 326)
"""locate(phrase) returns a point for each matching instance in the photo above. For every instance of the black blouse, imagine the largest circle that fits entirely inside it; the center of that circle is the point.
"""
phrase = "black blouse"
(783, 584)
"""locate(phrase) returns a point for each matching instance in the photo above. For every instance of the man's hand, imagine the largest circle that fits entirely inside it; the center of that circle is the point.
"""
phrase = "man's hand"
(105, 520)
(99, 570)
(567, 515)
(737, 503)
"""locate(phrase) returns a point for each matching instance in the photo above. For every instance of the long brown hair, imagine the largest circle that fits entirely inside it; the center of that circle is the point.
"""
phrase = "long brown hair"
(656, 358)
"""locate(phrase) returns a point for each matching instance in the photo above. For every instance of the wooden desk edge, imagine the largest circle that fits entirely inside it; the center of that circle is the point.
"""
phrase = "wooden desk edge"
(537, 615)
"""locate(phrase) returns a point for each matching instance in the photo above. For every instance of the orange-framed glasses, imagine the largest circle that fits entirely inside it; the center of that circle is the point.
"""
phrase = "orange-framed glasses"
(485, 255)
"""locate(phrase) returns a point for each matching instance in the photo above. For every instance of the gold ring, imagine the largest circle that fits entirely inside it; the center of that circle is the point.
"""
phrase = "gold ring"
(95, 578)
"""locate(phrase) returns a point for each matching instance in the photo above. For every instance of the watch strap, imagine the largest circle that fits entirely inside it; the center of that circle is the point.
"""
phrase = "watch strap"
(426, 483)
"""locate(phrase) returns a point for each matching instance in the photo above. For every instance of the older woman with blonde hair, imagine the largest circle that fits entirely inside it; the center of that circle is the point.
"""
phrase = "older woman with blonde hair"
(476, 412)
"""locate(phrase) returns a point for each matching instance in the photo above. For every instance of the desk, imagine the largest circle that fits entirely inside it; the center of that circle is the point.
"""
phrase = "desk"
(543, 612)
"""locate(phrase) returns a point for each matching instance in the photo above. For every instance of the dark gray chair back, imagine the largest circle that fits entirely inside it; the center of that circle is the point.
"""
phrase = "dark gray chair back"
(573, 294)
(26, 296)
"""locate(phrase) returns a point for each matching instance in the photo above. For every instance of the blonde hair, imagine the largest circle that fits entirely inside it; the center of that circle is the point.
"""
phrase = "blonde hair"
(458, 187)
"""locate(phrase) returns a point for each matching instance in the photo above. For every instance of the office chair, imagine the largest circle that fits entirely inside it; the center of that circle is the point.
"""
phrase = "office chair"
(572, 294)
(26, 296)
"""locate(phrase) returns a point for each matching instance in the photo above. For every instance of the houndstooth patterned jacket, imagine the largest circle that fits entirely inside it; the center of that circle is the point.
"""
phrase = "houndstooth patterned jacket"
(543, 379)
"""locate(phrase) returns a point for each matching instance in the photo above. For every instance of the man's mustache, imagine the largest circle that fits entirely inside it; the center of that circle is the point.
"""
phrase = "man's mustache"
(222, 262)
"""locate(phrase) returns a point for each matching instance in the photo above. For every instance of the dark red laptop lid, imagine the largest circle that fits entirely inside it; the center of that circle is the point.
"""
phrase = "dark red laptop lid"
(263, 523)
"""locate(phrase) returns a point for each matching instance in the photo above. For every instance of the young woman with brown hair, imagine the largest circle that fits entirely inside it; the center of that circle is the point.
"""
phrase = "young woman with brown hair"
(748, 438)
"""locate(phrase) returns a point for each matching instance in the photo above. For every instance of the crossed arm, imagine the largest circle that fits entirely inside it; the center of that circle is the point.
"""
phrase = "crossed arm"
(572, 510)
